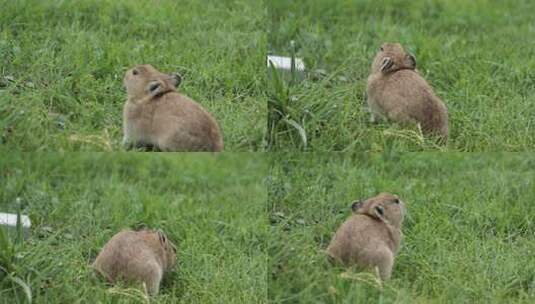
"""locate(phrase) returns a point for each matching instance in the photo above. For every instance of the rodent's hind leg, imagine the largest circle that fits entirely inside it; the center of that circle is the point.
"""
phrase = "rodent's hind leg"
(377, 117)
(153, 286)
(385, 262)
(142, 146)
(152, 276)
(127, 144)
(376, 112)
(373, 118)
(147, 147)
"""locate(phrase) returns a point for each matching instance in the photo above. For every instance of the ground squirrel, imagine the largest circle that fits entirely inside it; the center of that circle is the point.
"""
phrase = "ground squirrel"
(156, 115)
(397, 92)
(139, 256)
(371, 236)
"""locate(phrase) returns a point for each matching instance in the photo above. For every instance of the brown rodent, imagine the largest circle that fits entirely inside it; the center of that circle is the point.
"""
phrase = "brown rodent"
(138, 256)
(371, 236)
(156, 115)
(397, 92)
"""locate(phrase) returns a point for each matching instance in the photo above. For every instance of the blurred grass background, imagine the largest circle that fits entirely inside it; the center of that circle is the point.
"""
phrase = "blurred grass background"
(476, 54)
(63, 63)
(469, 236)
(211, 206)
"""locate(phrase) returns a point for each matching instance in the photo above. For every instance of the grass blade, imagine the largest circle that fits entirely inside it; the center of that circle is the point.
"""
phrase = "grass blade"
(302, 132)
(6, 252)
(25, 287)
(20, 234)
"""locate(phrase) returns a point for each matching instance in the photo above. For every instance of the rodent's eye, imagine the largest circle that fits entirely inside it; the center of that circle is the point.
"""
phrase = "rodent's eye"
(382, 50)
(135, 72)
(396, 201)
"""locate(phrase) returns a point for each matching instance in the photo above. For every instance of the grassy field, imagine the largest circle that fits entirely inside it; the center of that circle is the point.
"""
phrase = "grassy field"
(476, 54)
(62, 65)
(469, 233)
(213, 207)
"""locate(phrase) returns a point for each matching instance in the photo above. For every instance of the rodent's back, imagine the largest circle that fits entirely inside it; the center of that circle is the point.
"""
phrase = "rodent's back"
(430, 110)
(115, 254)
(123, 254)
(408, 94)
(196, 124)
(356, 236)
(404, 83)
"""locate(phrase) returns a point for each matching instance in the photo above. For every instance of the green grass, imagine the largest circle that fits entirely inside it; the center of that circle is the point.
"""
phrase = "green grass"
(469, 236)
(62, 65)
(211, 206)
(470, 231)
(478, 56)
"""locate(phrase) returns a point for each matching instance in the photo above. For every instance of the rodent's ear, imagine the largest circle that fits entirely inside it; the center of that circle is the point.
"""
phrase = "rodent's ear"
(177, 79)
(379, 211)
(155, 87)
(356, 205)
(410, 60)
(386, 64)
(161, 237)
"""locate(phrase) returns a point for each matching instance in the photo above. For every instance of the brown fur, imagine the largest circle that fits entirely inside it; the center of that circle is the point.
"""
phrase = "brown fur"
(397, 92)
(140, 256)
(156, 115)
(371, 236)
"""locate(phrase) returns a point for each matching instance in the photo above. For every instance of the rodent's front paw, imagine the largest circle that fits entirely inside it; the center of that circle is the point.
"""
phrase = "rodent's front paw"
(386, 64)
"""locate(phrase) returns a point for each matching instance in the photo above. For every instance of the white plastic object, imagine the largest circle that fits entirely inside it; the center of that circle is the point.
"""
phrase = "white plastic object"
(285, 63)
(9, 221)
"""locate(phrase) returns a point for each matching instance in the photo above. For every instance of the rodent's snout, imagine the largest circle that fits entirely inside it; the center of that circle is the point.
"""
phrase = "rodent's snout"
(126, 78)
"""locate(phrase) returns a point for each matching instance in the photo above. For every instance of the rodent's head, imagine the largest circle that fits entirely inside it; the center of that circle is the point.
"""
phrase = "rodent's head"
(143, 80)
(169, 250)
(392, 57)
(385, 207)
